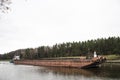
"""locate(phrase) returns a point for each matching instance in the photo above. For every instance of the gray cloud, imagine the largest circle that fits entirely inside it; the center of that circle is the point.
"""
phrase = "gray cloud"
(42, 22)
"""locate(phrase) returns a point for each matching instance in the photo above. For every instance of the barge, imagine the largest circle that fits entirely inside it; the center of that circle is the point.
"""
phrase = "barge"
(71, 63)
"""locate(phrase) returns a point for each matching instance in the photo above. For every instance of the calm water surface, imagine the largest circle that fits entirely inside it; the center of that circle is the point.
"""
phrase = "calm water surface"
(9, 71)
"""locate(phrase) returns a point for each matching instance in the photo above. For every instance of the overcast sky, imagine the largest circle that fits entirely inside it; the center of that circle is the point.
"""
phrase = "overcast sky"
(33, 23)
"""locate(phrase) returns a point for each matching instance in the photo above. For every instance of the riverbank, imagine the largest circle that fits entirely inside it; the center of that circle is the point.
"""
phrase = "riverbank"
(113, 61)
(112, 58)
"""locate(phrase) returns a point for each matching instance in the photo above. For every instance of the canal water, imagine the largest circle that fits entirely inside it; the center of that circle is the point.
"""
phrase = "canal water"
(9, 71)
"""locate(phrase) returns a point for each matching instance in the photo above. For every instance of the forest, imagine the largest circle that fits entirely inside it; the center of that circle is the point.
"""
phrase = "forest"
(103, 46)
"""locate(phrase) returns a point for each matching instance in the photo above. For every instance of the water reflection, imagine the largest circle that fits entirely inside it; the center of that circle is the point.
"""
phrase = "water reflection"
(10, 71)
(106, 71)
(68, 71)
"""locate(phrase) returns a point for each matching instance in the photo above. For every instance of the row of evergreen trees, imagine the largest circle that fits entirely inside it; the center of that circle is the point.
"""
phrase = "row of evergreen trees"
(102, 46)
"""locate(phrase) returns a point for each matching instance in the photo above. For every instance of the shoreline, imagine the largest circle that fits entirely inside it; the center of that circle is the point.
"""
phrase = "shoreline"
(113, 61)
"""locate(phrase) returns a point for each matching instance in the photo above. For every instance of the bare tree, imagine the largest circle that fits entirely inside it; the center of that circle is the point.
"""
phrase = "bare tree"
(5, 5)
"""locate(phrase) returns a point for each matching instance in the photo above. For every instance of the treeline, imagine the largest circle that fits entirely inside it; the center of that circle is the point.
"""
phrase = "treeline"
(102, 46)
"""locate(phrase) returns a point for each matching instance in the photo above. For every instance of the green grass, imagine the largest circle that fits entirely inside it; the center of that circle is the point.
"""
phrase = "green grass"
(71, 57)
(112, 57)
(5, 60)
(109, 57)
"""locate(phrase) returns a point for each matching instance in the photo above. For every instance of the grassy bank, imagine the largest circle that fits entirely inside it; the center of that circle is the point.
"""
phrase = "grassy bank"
(5, 60)
(112, 57)
(108, 57)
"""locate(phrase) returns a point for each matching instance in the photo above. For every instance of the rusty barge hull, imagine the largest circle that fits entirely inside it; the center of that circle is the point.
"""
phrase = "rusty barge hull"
(62, 63)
